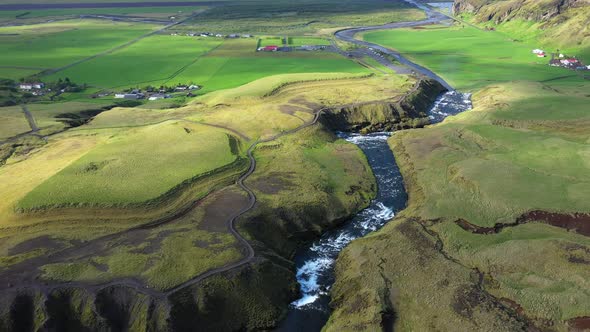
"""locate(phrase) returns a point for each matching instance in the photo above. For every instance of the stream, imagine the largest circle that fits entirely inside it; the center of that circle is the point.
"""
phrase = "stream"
(315, 264)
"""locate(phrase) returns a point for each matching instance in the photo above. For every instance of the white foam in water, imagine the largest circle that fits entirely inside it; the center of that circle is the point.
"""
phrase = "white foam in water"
(327, 248)
(450, 103)
(312, 274)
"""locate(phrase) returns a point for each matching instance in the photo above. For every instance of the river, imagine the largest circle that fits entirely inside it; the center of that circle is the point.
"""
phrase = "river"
(315, 264)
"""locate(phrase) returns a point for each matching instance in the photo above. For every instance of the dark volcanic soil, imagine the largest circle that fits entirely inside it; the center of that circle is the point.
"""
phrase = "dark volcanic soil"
(580, 323)
(577, 222)
(29, 6)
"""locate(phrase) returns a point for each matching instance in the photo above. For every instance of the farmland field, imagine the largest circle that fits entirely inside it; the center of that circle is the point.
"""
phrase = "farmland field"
(236, 62)
(210, 62)
(462, 55)
(60, 43)
(149, 61)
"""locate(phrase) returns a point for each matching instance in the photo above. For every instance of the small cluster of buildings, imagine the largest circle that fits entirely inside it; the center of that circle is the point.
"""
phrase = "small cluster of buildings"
(31, 86)
(568, 62)
(36, 88)
(540, 53)
(137, 94)
(275, 48)
(216, 35)
(562, 60)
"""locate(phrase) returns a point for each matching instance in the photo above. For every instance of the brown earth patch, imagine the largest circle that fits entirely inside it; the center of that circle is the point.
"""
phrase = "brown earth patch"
(272, 184)
(579, 323)
(41, 242)
(577, 222)
(219, 208)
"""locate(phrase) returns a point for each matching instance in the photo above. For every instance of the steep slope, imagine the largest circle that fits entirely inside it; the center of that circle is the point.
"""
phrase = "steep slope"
(553, 23)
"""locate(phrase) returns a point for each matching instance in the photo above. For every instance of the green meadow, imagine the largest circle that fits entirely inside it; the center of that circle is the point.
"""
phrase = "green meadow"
(467, 57)
(236, 62)
(149, 61)
(210, 62)
(135, 167)
(300, 41)
(60, 43)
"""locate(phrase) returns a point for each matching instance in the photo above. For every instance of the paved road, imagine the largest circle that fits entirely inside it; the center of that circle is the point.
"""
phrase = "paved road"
(348, 35)
(30, 119)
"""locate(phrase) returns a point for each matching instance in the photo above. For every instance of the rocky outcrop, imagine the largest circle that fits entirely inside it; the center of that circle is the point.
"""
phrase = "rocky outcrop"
(409, 112)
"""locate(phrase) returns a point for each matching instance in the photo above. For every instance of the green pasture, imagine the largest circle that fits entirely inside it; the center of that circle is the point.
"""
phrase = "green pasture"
(300, 41)
(60, 43)
(467, 57)
(236, 63)
(136, 166)
(147, 62)
(271, 41)
(212, 63)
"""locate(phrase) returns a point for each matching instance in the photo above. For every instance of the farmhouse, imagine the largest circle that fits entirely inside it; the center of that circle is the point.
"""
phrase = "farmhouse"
(30, 86)
(270, 48)
(159, 96)
(129, 96)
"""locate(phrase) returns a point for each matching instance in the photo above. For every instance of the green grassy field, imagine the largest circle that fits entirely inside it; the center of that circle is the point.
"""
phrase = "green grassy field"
(300, 41)
(123, 170)
(463, 56)
(236, 62)
(212, 63)
(149, 61)
(60, 43)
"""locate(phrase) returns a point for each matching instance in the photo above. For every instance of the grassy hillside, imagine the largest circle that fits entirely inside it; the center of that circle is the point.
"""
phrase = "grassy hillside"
(549, 24)
(467, 254)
